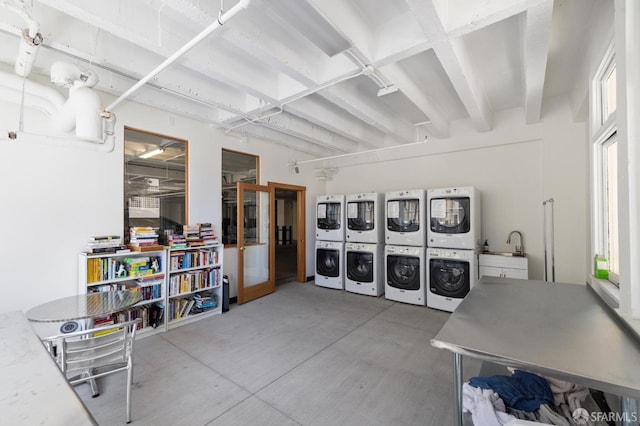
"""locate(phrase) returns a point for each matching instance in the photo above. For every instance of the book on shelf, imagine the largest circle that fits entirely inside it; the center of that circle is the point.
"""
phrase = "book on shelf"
(145, 248)
(187, 308)
(106, 250)
(103, 238)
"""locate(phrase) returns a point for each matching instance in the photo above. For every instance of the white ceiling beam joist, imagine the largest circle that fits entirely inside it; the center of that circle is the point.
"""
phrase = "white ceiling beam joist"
(398, 39)
(346, 21)
(438, 125)
(291, 142)
(322, 143)
(454, 60)
(216, 65)
(455, 63)
(464, 18)
(535, 47)
(343, 124)
(255, 43)
(129, 20)
(352, 102)
(304, 130)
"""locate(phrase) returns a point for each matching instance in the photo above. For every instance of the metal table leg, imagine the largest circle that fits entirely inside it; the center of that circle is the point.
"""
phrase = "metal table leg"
(457, 388)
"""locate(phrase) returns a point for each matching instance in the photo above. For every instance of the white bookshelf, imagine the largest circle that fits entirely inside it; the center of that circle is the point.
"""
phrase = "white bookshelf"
(193, 272)
(144, 272)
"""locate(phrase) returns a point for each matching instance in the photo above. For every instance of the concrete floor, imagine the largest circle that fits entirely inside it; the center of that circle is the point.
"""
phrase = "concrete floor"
(304, 355)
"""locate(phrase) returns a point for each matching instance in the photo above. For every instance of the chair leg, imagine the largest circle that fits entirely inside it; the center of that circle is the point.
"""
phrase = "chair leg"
(129, 380)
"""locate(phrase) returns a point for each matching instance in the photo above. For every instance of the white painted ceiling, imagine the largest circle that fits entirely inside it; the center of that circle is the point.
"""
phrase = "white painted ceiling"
(306, 73)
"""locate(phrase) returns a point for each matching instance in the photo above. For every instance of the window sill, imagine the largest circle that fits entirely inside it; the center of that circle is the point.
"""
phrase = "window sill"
(610, 294)
(606, 290)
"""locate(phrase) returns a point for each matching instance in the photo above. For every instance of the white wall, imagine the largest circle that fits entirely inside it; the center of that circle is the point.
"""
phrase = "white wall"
(55, 197)
(514, 166)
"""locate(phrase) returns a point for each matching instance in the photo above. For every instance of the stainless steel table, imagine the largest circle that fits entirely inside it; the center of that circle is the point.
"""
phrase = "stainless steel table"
(34, 391)
(84, 306)
(554, 329)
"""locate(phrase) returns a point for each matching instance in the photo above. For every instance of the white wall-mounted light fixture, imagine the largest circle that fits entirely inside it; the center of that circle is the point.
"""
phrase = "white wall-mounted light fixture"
(151, 153)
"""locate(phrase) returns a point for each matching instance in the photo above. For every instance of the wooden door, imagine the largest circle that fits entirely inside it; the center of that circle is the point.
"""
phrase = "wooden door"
(256, 276)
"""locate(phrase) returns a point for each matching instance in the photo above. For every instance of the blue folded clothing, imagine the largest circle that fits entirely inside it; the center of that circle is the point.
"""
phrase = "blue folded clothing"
(522, 390)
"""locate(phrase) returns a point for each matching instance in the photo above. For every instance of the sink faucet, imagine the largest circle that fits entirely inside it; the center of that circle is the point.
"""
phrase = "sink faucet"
(519, 250)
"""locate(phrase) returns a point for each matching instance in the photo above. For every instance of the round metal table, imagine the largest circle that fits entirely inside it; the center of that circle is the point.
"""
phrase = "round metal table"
(84, 306)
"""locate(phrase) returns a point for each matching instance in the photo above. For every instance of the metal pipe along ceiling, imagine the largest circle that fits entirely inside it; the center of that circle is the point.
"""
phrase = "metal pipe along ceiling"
(242, 4)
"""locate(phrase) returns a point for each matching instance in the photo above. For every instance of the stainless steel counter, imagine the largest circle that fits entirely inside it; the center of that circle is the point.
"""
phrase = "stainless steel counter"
(554, 329)
(34, 391)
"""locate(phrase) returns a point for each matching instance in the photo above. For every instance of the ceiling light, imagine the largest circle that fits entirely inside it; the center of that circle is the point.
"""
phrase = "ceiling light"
(151, 153)
(387, 90)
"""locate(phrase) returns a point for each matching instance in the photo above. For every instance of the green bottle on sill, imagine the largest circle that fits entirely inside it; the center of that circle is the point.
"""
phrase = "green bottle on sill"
(601, 267)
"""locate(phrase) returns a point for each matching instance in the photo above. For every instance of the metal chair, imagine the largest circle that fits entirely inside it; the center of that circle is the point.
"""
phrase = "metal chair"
(96, 352)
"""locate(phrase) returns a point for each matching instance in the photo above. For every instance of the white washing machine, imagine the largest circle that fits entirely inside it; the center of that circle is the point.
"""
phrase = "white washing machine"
(330, 264)
(330, 218)
(404, 276)
(365, 218)
(364, 268)
(454, 218)
(451, 273)
(405, 216)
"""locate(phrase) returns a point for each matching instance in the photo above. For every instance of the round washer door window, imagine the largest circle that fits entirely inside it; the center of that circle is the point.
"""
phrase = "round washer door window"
(328, 262)
(403, 272)
(449, 278)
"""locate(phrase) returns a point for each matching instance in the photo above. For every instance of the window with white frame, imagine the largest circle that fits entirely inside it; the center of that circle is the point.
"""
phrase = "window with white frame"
(605, 164)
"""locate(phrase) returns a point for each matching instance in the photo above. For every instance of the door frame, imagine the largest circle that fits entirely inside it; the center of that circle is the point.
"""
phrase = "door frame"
(301, 250)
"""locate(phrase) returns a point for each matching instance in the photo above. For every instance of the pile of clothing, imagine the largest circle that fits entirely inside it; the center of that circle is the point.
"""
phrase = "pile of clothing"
(496, 400)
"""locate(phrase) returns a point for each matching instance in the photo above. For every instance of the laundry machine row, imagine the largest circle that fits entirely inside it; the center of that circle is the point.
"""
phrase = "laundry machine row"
(433, 265)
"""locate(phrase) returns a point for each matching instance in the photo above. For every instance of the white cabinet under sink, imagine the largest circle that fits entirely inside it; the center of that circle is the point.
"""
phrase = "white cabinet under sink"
(495, 265)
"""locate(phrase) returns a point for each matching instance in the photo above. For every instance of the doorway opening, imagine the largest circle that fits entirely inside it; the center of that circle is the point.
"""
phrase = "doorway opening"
(289, 250)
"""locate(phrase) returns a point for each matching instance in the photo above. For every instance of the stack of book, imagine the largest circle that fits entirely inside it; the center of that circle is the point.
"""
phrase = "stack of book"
(206, 233)
(142, 266)
(177, 241)
(143, 238)
(105, 244)
(192, 235)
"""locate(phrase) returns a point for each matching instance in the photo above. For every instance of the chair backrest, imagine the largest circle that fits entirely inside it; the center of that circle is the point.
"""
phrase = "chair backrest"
(95, 347)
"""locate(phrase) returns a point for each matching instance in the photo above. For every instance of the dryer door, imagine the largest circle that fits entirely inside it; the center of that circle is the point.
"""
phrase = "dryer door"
(360, 266)
(450, 215)
(403, 215)
(328, 215)
(403, 272)
(360, 215)
(328, 262)
(449, 278)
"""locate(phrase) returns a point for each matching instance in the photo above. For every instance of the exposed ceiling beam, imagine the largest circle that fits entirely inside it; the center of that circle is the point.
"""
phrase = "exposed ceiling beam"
(321, 113)
(398, 39)
(345, 20)
(465, 17)
(208, 61)
(455, 62)
(266, 132)
(437, 124)
(535, 50)
(351, 101)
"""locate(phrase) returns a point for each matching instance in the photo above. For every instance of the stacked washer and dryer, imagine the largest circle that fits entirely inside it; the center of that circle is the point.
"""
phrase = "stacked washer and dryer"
(416, 246)
(330, 232)
(364, 247)
(453, 241)
(404, 252)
